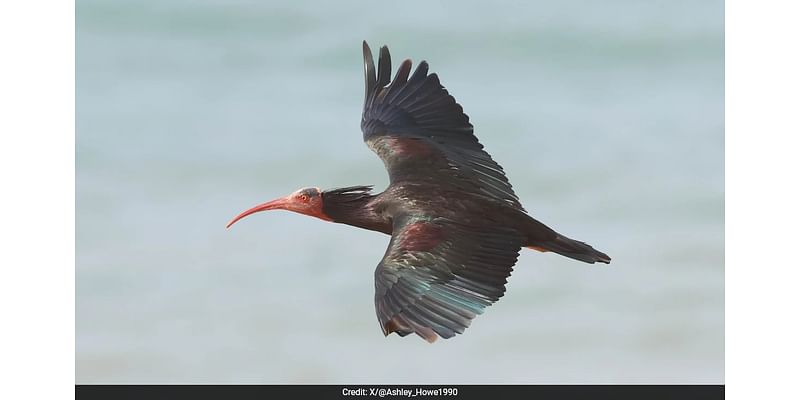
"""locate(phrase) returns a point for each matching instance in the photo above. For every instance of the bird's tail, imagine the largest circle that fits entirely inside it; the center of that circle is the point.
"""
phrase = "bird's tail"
(573, 249)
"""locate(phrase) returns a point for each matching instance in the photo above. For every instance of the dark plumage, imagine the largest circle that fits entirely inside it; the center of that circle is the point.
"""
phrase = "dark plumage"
(457, 226)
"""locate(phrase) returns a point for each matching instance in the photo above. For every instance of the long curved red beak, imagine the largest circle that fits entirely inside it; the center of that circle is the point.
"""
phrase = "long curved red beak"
(277, 204)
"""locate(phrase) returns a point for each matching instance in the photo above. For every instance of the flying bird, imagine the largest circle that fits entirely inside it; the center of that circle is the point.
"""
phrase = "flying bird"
(456, 225)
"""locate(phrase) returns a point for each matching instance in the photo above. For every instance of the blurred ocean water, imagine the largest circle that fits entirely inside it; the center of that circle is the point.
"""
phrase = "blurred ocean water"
(607, 117)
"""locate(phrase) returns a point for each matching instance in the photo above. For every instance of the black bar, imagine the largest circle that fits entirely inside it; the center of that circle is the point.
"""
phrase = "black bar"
(357, 391)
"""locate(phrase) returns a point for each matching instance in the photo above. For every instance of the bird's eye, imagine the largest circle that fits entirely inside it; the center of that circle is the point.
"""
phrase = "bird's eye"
(303, 197)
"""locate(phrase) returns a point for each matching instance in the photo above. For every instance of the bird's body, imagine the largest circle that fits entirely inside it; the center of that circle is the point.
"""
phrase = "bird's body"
(457, 226)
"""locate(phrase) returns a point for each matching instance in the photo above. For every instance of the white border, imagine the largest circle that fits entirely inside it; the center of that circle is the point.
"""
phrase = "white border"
(762, 175)
(37, 210)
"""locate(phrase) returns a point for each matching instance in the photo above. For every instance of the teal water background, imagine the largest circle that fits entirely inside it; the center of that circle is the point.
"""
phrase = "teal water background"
(607, 117)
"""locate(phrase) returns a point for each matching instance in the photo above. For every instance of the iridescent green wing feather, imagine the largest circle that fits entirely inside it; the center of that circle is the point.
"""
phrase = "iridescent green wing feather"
(437, 275)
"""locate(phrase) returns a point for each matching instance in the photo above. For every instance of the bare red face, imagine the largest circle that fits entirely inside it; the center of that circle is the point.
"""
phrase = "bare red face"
(307, 201)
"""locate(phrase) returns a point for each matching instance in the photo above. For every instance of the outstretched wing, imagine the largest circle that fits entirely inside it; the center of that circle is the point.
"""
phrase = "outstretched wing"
(421, 133)
(437, 275)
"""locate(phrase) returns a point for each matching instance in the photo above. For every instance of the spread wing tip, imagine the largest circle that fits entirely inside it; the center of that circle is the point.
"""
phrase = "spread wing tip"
(384, 66)
(373, 81)
(369, 70)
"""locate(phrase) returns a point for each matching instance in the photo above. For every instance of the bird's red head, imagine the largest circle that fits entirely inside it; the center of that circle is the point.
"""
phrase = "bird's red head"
(306, 201)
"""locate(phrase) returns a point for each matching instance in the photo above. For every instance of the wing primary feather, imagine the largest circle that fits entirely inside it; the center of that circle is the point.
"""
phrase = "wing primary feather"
(465, 300)
(442, 301)
(418, 92)
(445, 316)
(369, 73)
(384, 67)
(420, 72)
(417, 79)
(433, 321)
(399, 81)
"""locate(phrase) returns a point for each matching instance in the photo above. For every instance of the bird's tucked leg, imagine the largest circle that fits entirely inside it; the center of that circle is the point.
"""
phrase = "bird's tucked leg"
(537, 248)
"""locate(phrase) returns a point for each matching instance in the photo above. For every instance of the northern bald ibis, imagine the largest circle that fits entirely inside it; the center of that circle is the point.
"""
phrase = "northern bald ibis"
(457, 227)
